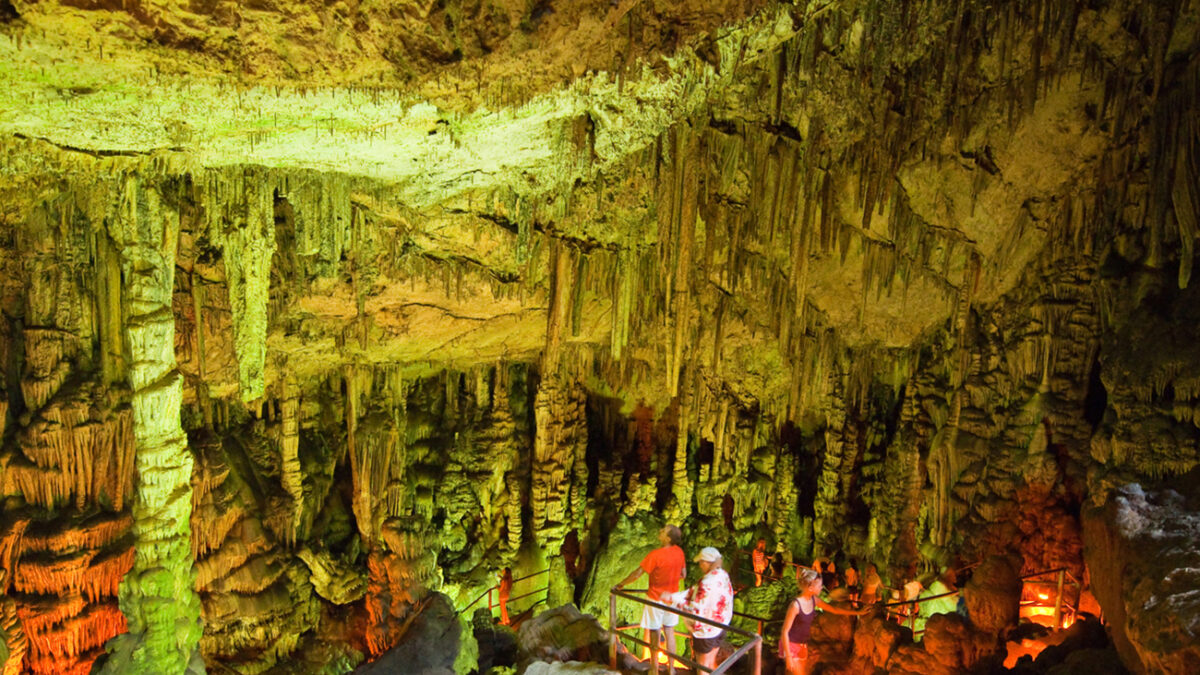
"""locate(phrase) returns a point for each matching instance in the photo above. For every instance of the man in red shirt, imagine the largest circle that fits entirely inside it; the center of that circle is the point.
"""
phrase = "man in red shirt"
(665, 566)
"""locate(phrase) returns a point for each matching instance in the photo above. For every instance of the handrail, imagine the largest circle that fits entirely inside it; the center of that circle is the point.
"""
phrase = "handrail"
(1062, 572)
(920, 599)
(481, 596)
(488, 592)
(754, 640)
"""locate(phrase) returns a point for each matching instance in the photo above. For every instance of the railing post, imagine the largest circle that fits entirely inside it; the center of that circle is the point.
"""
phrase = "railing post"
(758, 653)
(1058, 600)
(654, 650)
(612, 630)
(671, 659)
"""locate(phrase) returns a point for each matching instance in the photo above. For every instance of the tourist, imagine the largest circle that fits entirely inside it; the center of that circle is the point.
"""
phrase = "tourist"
(797, 624)
(504, 591)
(912, 592)
(712, 598)
(778, 564)
(852, 580)
(759, 561)
(871, 584)
(665, 567)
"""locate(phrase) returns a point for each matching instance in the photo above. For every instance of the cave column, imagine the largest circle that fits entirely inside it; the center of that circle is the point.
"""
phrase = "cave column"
(157, 596)
(560, 435)
(829, 520)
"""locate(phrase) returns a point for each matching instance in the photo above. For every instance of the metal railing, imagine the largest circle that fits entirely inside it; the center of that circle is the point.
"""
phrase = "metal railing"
(753, 640)
(492, 593)
(1062, 574)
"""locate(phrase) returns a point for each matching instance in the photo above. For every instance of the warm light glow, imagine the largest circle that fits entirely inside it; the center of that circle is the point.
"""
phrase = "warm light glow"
(662, 658)
(1043, 596)
(1017, 650)
(1044, 615)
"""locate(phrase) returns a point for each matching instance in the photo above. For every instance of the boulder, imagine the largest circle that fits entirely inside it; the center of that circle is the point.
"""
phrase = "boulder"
(993, 595)
(569, 668)
(876, 639)
(1143, 551)
(430, 646)
(565, 634)
(954, 644)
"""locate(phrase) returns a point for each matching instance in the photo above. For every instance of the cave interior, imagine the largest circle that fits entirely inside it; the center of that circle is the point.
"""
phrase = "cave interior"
(316, 313)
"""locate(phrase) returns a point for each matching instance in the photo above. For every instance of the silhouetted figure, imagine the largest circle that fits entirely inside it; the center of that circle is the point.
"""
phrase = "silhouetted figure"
(777, 565)
(506, 584)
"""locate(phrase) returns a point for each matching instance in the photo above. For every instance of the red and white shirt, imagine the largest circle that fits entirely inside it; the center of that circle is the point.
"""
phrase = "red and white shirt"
(711, 598)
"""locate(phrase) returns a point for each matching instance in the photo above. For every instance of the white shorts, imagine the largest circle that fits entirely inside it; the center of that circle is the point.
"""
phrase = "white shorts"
(654, 618)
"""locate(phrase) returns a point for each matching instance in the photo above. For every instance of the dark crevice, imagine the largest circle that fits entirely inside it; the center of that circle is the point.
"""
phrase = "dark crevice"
(1095, 402)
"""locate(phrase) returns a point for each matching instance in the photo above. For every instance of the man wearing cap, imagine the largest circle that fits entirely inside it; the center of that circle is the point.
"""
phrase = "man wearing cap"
(711, 598)
(666, 567)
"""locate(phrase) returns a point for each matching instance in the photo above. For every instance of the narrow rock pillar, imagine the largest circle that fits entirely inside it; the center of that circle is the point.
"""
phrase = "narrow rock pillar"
(157, 596)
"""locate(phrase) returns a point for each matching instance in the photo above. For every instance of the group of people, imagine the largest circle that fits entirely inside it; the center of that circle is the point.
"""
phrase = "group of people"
(865, 588)
(711, 597)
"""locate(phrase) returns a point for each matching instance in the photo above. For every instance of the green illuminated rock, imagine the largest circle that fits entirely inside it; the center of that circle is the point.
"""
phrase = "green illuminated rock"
(158, 595)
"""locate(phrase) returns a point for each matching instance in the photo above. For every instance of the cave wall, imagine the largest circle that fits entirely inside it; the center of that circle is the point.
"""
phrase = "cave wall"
(916, 304)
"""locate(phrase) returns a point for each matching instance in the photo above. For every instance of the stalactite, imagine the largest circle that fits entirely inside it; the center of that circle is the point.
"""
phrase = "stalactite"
(561, 283)
(682, 488)
(681, 298)
(94, 533)
(244, 228)
(73, 637)
(77, 453)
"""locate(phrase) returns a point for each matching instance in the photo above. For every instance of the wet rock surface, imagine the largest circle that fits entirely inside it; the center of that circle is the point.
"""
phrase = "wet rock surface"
(1145, 563)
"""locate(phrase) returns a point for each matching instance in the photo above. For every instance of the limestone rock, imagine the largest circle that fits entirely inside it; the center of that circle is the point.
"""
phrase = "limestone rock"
(993, 595)
(430, 644)
(565, 634)
(1141, 550)
(568, 668)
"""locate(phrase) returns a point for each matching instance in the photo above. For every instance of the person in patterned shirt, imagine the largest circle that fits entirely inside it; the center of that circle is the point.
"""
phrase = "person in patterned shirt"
(712, 598)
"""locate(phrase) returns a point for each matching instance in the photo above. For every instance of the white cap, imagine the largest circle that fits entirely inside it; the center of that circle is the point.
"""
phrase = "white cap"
(708, 554)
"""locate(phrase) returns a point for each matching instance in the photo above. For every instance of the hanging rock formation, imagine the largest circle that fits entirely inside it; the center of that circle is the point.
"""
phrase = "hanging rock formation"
(310, 312)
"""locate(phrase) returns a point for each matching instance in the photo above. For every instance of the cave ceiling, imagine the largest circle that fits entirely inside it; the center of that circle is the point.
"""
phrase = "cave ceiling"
(468, 139)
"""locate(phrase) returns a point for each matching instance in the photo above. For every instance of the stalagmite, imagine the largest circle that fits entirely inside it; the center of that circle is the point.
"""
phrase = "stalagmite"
(292, 475)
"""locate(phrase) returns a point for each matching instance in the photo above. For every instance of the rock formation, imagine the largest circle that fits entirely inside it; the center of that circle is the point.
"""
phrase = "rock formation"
(313, 310)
